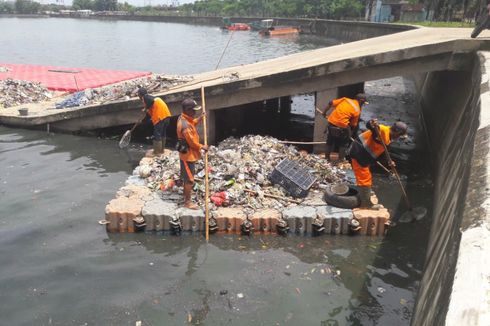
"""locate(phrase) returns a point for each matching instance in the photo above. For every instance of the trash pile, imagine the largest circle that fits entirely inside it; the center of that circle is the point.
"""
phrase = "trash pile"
(124, 90)
(17, 92)
(239, 170)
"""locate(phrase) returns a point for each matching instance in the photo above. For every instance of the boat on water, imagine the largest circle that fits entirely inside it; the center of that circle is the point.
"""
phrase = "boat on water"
(261, 24)
(228, 25)
(238, 27)
(280, 30)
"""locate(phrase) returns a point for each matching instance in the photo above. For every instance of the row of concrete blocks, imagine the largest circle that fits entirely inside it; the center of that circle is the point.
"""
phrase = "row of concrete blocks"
(158, 216)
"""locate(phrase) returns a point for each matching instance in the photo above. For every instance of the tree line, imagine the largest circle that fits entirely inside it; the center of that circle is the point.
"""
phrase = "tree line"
(441, 10)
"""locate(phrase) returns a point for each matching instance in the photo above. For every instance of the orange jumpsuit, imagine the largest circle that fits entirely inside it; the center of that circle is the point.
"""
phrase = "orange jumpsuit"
(366, 154)
(186, 129)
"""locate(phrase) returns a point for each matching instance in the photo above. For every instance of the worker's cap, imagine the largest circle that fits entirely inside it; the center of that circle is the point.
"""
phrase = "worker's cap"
(149, 100)
(361, 97)
(400, 128)
(142, 92)
(189, 103)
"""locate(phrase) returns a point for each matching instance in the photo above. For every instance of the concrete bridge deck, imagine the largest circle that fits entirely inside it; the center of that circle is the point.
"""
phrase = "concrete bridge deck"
(415, 51)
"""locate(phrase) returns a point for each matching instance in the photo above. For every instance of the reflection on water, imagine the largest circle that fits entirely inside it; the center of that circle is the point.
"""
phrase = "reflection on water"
(59, 267)
(130, 45)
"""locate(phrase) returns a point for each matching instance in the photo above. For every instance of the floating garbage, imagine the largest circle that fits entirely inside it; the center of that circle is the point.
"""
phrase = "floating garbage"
(239, 170)
(17, 92)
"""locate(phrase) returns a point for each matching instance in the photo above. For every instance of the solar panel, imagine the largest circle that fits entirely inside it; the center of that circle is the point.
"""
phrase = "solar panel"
(294, 178)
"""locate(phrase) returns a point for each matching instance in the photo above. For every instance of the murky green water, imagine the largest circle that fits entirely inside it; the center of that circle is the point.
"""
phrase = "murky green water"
(60, 267)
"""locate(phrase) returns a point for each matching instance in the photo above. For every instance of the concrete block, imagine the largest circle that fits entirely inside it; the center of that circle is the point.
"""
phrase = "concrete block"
(372, 226)
(135, 191)
(191, 219)
(344, 229)
(370, 220)
(120, 213)
(297, 218)
(335, 219)
(382, 229)
(265, 220)
(336, 225)
(157, 214)
(229, 219)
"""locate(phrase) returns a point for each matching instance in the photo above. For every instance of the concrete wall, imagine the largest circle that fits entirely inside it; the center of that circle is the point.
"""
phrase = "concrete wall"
(458, 133)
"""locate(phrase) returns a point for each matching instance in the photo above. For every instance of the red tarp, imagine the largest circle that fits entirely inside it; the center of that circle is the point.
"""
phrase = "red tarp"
(67, 79)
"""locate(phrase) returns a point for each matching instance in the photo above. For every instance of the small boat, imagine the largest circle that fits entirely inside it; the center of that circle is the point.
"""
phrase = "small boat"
(280, 30)
(228, 25)
(262, 24)
(238, 27)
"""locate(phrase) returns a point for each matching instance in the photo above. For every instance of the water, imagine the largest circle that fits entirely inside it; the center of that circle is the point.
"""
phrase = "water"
(60, 267)
(148, 46)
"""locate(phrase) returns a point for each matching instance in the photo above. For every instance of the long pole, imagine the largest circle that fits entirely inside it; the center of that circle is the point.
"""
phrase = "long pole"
(395, 172)
(224, 50)
(206, 176)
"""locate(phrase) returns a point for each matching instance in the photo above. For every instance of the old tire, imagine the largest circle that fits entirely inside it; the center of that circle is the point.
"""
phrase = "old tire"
(349, 200)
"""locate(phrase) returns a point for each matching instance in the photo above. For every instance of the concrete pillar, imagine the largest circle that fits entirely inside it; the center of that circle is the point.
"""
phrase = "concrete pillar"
(321, 101)
(211, 119)
(284, 113)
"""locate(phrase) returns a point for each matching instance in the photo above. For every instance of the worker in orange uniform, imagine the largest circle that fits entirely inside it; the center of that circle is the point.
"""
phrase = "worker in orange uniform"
(159, 114)
(368, 150)
(189, 147)
(343, 122)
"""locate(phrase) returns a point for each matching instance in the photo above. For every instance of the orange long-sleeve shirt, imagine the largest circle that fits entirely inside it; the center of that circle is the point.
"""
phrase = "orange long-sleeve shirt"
(186, 129)
(346, 113)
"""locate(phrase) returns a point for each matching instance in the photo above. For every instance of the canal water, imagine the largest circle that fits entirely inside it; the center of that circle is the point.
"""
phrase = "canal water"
(60, 267)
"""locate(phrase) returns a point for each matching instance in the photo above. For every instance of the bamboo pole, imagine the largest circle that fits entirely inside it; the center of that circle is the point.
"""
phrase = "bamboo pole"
(274, 196)
(206, 173)
(302, 142)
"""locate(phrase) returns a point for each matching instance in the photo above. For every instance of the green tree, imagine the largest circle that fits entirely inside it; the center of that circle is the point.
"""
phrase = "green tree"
(27, 7)
(83, 4)
(105, 5)
(6, 8)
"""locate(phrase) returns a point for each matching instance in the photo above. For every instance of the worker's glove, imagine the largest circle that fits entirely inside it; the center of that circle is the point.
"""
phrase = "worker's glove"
(371, 124)
(391, 164)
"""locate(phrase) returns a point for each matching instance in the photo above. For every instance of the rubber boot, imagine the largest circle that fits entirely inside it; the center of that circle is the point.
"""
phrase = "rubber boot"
(365, 198)
(328, 150)
(187, 196)
(157, 147)
(342, 150)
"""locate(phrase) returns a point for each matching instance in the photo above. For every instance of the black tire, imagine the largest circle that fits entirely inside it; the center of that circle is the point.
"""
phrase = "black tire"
(480, 27)
(349, 200)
